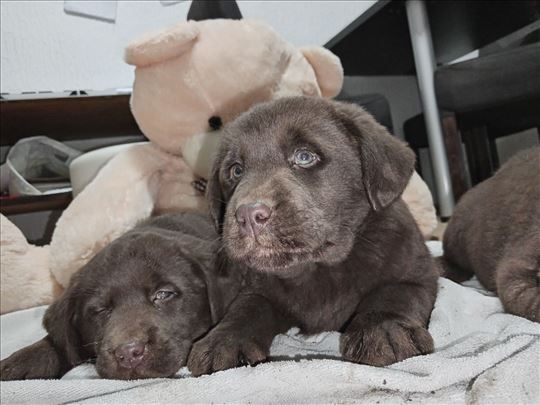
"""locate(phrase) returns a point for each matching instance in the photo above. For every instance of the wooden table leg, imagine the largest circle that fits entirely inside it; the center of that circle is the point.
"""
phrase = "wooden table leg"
(478, 154)
(456, 165)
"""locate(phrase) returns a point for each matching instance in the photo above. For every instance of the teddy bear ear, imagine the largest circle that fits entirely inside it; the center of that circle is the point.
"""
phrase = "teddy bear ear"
(327, 67)
(163, 45)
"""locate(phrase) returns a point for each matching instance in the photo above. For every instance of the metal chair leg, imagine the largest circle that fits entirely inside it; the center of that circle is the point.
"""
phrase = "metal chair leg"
(425, 64)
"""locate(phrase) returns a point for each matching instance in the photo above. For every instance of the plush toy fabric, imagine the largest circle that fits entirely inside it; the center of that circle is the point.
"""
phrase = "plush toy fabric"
(197, 76)
(24, 277)
(420, 202)
(190, 79)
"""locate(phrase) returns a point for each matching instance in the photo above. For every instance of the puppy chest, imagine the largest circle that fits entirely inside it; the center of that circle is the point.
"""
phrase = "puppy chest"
(321, 305)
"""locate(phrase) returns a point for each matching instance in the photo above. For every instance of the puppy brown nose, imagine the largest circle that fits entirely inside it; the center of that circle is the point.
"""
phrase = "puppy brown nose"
(130, 355)
(252, 217)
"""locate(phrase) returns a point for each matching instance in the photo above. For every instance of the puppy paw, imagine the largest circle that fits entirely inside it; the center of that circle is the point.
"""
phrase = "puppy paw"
(38, 361)
(385, 342)
(12, 369)
(219, 351)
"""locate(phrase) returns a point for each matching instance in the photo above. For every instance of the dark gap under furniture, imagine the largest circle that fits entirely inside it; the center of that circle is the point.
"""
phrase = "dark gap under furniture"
(483, 99)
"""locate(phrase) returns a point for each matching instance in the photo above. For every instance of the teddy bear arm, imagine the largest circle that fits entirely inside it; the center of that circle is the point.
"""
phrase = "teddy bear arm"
(25, 279)
(123, 193)
(420, 203)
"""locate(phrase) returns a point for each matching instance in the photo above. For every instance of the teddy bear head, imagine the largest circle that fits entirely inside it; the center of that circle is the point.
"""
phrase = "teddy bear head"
(194, 77)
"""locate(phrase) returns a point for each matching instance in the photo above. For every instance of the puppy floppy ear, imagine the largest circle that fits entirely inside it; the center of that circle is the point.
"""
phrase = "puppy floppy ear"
(59, 322)
(387, 162)
(215, 197)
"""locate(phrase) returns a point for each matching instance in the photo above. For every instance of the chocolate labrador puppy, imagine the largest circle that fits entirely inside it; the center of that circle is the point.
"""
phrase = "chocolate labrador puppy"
(306, 193)
(136, 307)
(495, 234)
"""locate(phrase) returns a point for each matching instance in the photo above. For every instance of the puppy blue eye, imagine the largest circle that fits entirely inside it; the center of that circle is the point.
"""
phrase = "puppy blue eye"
(305, 158)
(237, 171)
(163, 295)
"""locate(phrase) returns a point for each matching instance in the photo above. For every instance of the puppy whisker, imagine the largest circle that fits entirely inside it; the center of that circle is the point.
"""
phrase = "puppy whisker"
(91, 344)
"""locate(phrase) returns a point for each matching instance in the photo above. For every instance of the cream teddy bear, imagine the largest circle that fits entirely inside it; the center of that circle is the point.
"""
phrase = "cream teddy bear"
(190, 79)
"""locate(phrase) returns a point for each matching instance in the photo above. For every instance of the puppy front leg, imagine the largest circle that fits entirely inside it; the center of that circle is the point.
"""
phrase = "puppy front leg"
(390, 325)
(517, 277)
(38, 361)
(243, 336)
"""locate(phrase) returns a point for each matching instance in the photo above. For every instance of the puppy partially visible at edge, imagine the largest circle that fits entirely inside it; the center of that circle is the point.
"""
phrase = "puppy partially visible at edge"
(136, 307)
(306, 193)
(495, 234)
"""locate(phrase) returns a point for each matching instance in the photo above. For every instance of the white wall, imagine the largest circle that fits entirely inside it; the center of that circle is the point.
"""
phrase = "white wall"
(45, 49)
(306, 22)
(400, 91)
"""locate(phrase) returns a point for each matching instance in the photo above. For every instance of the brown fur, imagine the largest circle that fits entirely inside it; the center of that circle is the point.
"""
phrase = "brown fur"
(112, 301)
(495, 234)
(340, 250)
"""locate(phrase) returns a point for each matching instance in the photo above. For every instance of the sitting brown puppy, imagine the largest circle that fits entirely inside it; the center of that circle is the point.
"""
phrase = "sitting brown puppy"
(306, 193)
(495, 234)
(136, 307)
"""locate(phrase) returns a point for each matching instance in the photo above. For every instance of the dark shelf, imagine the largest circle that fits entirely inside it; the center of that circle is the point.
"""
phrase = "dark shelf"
(65, 119)
(23, 205)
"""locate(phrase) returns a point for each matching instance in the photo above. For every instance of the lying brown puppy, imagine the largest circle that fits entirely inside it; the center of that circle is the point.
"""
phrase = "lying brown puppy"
(307, 193)
(136, 307)
(495, 234)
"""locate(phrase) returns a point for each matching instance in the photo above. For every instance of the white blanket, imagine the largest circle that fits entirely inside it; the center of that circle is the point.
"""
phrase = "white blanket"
(482, 355)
